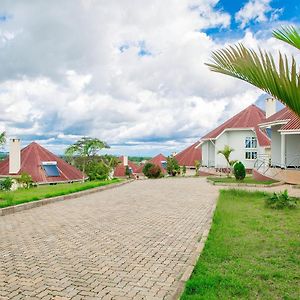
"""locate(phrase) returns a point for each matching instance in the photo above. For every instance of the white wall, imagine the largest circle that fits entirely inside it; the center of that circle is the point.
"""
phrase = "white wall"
(292, 144)
(275, 145)
(236, 140)
(208, 154)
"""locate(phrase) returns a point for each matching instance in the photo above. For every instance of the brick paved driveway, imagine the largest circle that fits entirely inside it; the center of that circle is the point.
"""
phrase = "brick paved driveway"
(132, 242)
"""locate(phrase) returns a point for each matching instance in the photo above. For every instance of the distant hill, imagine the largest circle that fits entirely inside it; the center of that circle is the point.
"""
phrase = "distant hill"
(138, 159)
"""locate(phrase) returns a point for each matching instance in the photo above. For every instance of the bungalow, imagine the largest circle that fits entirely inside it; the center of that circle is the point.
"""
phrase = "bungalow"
(161, 161)
(241, 133)
(284, 161)
(43, 166)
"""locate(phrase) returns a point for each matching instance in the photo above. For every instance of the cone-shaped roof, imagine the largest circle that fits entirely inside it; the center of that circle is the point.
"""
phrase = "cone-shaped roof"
(32, 158)
(250, 117)
(188, 156)
(120, 170)
(157, 160)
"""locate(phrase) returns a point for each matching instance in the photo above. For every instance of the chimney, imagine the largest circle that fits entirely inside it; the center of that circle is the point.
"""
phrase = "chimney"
(270, 107)
(14, 156)
(125, 161)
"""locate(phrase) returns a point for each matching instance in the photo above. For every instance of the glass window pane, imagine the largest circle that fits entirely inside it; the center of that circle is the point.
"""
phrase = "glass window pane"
(248, 142)
(51, 170)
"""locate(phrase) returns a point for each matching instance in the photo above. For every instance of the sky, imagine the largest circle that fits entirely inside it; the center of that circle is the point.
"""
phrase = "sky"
(129, 72)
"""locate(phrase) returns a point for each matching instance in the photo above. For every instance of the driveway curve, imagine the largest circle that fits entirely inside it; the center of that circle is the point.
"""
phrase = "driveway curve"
(132, 242)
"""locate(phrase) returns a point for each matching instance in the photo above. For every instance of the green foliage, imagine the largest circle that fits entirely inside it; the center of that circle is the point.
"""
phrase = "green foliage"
(97, 170)
(239, 170)
(197, 167)
(84, 148)
(6, 184)
(280, 201)
(127, 171)
(173, 167)
(25, 180)
(246, 248)
(183, 170)
(152, 171)
(138, 159)
(2, 138)
(47, 191)
(226, 152)
(281, 80)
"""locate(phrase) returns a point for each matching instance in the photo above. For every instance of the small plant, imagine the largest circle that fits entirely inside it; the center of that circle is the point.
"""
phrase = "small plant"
(280, 201)
(152, 171)
(6, 184)
(197, 167)
(127, 171)
(173, 167)
(183, 170)
(239, 171)
(25, 180)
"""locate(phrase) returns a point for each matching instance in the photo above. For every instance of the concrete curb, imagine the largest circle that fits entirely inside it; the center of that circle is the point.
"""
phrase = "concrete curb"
(24, 206)
(196, 254)
(245, 184)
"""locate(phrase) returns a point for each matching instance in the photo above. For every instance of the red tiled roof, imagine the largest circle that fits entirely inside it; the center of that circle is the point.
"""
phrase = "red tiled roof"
(250, 117)
(188, 156)
(32, 157)
(291, 120)
(157, 161)
(120, 169)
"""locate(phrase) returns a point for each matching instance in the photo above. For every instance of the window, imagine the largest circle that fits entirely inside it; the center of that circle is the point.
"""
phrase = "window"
(164, 164)
(251, 155)
(251, 142)
(50, 168)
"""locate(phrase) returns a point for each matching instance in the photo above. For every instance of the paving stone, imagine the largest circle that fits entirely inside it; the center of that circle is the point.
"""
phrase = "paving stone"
(132, 242)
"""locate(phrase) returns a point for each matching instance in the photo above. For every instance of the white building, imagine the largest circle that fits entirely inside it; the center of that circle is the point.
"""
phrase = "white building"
(241, 133)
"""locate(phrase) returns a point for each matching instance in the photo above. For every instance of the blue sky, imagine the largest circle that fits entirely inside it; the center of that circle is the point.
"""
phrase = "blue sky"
(132, 74)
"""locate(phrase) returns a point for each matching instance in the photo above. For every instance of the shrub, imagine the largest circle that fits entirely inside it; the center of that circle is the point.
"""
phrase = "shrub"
(173, 167)
(6, 184)
(197, 167)
(127, 171)
(97, 170)
(25, 180)
(152, 171)
(239, 171)
(183, 170)
(280, 201)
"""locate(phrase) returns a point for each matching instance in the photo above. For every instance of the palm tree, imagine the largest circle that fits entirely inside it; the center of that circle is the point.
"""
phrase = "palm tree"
(258, 68)
(2, 138)
(85, 148)
(226, 152)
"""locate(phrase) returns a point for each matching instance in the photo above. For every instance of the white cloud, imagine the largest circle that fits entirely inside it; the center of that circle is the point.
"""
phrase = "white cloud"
(257, 11)
(63, 75)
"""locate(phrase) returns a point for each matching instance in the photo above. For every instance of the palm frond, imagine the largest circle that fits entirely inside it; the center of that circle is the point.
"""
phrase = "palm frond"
(288, 34)
(260, 70)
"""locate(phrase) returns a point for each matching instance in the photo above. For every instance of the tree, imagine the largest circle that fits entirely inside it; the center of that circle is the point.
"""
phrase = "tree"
(173, 167)
(127, 171)
(226, 152)
(258, 68)
(151, 170)
(2, 138)
(85, 148)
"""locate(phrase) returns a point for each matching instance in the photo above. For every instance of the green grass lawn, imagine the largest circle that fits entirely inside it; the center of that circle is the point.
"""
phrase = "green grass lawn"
(252, 252)
(47, 191)
(248, 179)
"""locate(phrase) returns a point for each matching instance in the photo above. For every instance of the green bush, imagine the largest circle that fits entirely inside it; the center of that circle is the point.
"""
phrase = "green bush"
(6, 184)
(152, 171)
(97, 170)
(239, 171)
(173, 167)
(183, 170)
(280, 201)
(25, 180)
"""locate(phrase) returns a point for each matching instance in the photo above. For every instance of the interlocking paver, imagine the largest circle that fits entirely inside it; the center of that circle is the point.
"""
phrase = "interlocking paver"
(133, 242)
